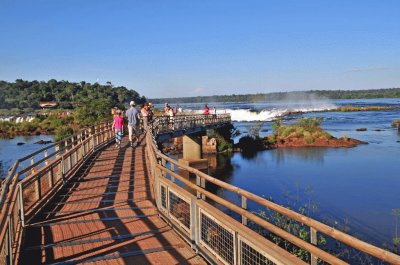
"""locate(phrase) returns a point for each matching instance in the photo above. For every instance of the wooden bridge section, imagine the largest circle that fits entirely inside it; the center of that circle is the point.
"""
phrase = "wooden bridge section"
(105, 215)
(83, 200)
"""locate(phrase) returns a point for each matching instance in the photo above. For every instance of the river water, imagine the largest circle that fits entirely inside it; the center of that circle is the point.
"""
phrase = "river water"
(11, 151)
(351, 188)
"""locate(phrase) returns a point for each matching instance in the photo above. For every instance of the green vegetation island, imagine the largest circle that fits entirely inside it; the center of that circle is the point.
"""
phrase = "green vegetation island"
(306, 132)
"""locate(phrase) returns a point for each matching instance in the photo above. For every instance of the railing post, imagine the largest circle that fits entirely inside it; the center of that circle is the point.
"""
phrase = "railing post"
(200, 183)
(69, 162)
(57, 148)
(10, 242)
(62, 169)
(45, 156)
(173, 170)
(21, 206)
(203, 185)
(92, 143)
(7, 248)
(163, 163)
(38, 188)
(314, 241)
(32, 163)
(51, 175)
(194, 227)
(244, 206)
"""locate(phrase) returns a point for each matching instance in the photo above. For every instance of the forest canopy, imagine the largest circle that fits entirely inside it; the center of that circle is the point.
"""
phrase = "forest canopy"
(297, 95)
(27, 94)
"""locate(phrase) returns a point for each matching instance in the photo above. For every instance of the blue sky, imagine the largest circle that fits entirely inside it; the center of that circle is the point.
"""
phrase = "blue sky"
(189, 48)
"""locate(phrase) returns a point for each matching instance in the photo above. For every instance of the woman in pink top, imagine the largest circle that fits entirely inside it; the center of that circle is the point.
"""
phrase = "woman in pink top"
(117, 126)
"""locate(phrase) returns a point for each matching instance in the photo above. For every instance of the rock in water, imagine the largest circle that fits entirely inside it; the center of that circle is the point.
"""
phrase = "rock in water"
(20, 143)
(43, 142)
(361, 129)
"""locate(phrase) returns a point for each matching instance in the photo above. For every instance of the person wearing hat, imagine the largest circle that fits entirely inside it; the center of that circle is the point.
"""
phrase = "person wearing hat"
(166, 108)
(133, 122)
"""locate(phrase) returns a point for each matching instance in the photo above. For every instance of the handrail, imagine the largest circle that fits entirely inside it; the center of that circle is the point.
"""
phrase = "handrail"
(330, 231)
(22, 199)
(347, 239)
(11, 174)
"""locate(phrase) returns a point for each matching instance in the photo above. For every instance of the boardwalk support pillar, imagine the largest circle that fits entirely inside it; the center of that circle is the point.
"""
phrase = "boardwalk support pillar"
(192, 152)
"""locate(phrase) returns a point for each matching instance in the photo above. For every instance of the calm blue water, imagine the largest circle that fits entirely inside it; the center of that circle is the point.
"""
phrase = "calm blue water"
(10, 151)
(356, 186)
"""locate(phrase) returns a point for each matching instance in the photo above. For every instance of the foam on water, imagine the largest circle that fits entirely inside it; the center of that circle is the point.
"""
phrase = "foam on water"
(268, 114)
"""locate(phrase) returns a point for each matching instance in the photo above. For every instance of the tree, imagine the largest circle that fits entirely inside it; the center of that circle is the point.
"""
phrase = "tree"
(94, 112)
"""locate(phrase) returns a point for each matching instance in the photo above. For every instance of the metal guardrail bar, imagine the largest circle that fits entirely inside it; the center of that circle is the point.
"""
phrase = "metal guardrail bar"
(28, 196)
(62, 143)
(314, 225)
(332, 232)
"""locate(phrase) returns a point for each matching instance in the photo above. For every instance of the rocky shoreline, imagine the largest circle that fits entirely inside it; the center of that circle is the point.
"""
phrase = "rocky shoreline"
(10, 135)
(319, 142)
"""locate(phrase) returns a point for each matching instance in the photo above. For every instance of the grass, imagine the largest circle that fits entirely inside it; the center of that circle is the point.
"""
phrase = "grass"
(307, 128)
(396, 123)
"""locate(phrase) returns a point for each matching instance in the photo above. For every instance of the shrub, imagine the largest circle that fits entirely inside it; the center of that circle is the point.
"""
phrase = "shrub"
(288, 130)
(299, 131)
(281, 129)
(223, 145)
(310, 124)
(326, 135)
(63, 132)
(396, 123)
(27, 127)
(271, 139)
(275, 125)
(309, 140)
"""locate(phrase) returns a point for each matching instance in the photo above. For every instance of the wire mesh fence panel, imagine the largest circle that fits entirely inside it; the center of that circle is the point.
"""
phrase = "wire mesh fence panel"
(54, 174)
(249, 255)
(179, 209)
(29, 194)
(218, 239)
(45, 184)
(67, 165)
(163, 191)
(73, 159)
(4, 251)
(15, 217)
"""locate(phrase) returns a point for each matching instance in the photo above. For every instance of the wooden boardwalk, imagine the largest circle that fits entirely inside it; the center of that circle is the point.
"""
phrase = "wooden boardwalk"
(106, 215)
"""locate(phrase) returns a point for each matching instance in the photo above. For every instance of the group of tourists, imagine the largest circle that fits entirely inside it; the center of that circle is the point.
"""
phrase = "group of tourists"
(133, 117)
(138, 121)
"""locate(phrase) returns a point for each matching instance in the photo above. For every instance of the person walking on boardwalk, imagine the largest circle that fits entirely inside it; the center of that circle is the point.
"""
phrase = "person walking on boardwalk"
(150, 111)
(206, 110)
(133, 122)
(117, 126)
(145, 115)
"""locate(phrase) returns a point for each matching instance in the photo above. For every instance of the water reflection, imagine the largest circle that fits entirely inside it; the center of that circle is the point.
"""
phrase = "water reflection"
(223, 170)
(316, 155)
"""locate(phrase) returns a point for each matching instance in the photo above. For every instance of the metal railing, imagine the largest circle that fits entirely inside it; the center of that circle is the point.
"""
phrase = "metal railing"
(185, 205)
(45, 174)
(164, 124)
